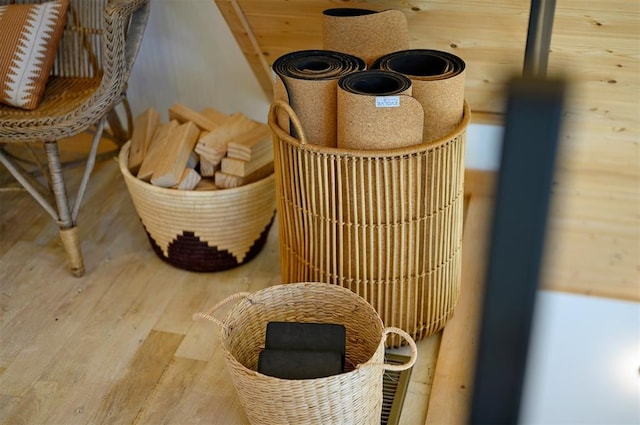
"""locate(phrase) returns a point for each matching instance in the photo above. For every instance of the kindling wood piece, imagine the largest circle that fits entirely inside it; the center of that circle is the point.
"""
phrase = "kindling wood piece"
(173, 159)
(206, 184)
(144, 126)
(214, 115)
(175, 155)
(242, 168)
(252, 144)
(184, 114)
(154, 151)
(208, 168)
(213, 146)
(189, 179)
(225, 180)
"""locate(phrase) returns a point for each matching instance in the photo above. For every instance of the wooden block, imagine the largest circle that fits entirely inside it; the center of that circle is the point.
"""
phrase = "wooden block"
(242, 168)
(208, 168)
(206, 184)
(189, 179)
(214, 115)
(175, 155)
(144, 126)
(183, 114)
(251, 144)
(227, 181)
(154, 152)
(213, 146)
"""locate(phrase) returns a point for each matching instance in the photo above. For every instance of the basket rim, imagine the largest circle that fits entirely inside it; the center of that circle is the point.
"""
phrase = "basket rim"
(284, 286)
(370, 153)
(123, 161)
(223, 337)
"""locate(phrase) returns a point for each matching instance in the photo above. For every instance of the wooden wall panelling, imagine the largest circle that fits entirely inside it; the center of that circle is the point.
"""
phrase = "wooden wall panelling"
(245, 36)
(595, 219)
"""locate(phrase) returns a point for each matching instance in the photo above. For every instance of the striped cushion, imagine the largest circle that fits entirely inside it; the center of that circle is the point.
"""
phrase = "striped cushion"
(30, 35)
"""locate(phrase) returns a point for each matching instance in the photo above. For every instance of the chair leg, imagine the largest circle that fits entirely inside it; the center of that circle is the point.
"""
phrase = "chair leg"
(71, 243)
(66, 224)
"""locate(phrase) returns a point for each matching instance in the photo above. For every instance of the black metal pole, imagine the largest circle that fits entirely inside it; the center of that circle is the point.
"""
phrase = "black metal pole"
(536, 55)
(532, 129)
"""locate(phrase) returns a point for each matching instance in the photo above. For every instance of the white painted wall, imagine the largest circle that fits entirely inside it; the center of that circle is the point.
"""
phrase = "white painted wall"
(189, 55)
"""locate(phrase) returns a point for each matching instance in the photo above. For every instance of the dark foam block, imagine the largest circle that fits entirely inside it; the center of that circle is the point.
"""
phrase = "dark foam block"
(306, 336)
(292, 364)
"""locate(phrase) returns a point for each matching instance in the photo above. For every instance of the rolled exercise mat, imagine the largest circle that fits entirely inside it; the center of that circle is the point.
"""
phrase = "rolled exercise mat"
(308, 81)
(376, 111)
(438, 84)
(365, 33)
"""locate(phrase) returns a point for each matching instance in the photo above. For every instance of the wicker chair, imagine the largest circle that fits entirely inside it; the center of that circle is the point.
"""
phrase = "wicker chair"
(89, 79)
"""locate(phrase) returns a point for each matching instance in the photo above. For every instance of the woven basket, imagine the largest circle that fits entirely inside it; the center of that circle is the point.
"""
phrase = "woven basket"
(203, 231)
(387, 224)
(352, 397)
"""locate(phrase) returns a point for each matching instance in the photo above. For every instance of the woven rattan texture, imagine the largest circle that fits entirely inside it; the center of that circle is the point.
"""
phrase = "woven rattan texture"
(93, 57)
(386, 224)
(203, 230)
(353, 397)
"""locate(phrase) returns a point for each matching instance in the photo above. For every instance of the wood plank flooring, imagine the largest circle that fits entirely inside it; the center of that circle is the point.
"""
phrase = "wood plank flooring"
(119, 346)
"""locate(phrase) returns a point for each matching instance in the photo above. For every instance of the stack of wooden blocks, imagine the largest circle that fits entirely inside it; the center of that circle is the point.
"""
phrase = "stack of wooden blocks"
(206, 150)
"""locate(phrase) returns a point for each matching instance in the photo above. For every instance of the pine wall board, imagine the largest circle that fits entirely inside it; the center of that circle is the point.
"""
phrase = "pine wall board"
(595, 224)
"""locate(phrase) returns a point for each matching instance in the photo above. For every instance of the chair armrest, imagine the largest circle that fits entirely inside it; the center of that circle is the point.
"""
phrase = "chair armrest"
(136, 12)
(124, 24)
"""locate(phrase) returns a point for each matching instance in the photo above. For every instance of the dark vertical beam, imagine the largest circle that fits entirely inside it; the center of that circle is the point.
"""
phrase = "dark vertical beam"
(532, 127)
(536, 55)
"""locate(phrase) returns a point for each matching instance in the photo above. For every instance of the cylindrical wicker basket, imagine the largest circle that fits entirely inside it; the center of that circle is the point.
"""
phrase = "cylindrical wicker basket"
(353, 397)
(387, 224)
(203, 231)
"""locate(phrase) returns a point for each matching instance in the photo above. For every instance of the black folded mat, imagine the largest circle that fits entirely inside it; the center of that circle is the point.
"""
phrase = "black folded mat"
(306, 336)
(291, 364)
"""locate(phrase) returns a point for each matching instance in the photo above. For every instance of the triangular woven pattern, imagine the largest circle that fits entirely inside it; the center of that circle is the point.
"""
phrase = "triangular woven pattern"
(228, 219)
(30, 36)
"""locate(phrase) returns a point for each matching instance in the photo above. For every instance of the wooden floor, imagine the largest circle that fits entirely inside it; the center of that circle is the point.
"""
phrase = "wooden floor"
(119, 346)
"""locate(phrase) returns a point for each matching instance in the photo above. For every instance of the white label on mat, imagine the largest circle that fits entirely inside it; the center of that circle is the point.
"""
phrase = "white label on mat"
(387, 101)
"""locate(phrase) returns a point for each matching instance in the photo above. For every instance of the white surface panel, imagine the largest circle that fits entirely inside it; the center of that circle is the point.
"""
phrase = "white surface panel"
(584, 361)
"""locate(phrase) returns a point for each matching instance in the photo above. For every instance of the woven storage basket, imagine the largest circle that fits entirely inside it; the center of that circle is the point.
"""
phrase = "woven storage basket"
(352, 397)
(387, 224)
(203, 231)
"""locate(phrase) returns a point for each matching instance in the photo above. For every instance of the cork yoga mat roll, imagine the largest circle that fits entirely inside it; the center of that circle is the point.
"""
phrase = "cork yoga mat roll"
(376, 111)
(365, 33)
(438, 84)
(308, 81)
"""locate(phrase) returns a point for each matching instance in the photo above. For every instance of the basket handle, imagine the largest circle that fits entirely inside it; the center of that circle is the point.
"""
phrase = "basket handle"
(208, 315)
(412, 346)
(297, 125)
